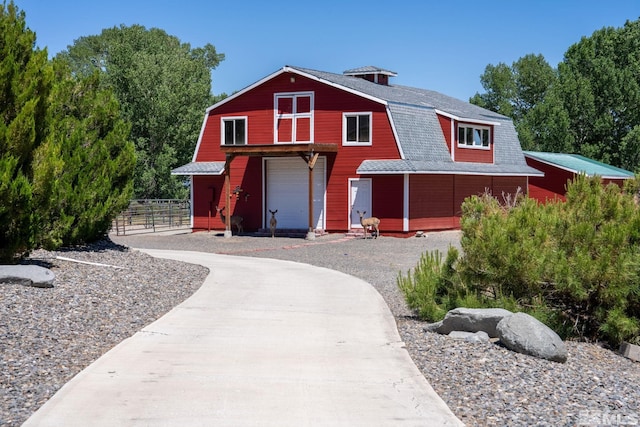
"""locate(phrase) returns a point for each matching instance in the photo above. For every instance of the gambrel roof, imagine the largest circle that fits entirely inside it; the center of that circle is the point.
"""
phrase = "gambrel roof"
(414, 118)
(413, 112)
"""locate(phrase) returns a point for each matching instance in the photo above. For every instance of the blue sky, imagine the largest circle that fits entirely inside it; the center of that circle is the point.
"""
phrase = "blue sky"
(443, 46)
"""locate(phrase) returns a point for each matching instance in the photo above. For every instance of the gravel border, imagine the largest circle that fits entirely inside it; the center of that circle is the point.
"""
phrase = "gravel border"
(49, 336)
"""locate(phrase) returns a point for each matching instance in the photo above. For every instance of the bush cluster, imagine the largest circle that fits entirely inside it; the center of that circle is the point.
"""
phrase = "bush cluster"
(574, 265)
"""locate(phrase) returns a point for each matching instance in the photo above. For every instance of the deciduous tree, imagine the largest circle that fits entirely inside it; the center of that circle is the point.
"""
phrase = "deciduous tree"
(163, 87)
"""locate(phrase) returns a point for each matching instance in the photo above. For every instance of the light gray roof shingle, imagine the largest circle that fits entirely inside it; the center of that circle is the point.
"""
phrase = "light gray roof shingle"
(199, 168)
(420, 136)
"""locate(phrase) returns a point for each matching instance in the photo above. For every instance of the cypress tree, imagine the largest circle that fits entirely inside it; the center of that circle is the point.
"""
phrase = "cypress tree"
(25, 82)
(83, 171)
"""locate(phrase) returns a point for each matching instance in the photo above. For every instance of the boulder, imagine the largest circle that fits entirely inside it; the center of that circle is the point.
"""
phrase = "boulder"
(28, 275)
(470, 320)
(525, 334)
(472, 337)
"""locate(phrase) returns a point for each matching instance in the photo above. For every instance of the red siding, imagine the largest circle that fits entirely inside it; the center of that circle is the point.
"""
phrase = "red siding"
(387, 192)
(553, 183)
(432, 202)
(206, 196)
(445, 125)
(504, 185)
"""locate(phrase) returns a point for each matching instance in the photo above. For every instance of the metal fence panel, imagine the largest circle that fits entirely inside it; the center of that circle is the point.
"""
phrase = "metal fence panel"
(151, 215)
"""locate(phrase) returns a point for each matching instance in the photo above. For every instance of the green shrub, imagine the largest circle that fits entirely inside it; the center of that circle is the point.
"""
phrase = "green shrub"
(574, 265)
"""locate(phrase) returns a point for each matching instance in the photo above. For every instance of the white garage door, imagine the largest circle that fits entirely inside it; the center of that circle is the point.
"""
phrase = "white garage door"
(287, 191)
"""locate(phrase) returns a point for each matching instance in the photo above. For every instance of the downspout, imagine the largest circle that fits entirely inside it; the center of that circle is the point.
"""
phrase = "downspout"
(453, 141)
(405, 203)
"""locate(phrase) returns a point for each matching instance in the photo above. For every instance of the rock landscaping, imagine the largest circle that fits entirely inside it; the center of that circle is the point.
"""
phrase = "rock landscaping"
(516, 331)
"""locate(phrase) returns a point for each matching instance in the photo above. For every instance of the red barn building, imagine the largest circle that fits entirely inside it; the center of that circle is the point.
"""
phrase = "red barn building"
(560, 168)
(319, 146)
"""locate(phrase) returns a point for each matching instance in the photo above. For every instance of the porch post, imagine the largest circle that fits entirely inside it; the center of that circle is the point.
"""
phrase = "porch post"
(311, 234)
(227, 195)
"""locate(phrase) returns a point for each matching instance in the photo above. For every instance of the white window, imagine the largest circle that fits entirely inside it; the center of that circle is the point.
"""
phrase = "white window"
(474, 136)
(234, 130)
(293, 117)
(356, 128)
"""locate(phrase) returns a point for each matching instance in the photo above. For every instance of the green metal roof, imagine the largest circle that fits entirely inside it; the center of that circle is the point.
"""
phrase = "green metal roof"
(580, 164)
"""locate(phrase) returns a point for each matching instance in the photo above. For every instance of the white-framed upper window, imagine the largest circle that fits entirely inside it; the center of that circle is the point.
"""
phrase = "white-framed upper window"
(474, 136)
(293, 121)
(356, 128)
(233, 130)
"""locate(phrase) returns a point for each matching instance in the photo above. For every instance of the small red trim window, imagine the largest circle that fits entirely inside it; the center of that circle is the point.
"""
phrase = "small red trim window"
(293, 117)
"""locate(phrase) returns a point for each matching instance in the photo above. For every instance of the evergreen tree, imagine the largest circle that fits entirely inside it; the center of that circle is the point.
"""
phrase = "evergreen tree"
(65, 159)
(25, 82)
(83, 172)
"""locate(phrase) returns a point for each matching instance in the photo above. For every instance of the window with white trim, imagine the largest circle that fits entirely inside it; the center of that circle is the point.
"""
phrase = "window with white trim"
(474, 136)
(234, 130)
(293, 117)
(356, 128)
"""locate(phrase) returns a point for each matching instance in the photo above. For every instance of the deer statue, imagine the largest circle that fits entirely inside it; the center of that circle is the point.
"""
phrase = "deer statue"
(235, 219)
(369, 222)
(273, 222)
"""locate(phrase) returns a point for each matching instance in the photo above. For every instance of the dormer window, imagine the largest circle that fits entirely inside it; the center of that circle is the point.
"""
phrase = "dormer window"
(474, 136)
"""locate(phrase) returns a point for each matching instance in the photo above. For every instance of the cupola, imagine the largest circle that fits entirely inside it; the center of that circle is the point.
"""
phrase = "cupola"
(373, 74)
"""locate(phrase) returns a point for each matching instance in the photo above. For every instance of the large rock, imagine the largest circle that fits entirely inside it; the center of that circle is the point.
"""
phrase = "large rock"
(527, 335)
(470, 320)
(28, 275)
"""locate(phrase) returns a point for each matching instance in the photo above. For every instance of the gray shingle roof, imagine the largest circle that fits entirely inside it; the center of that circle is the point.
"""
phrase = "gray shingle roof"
(199, 168)
(420, 136)
(369, 69)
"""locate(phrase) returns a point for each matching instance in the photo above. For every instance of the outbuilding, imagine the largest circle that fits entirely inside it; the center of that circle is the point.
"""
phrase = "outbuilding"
(561, 168)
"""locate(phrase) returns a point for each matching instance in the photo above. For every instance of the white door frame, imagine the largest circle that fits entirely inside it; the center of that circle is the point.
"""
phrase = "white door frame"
(357, 224)
(323, 173)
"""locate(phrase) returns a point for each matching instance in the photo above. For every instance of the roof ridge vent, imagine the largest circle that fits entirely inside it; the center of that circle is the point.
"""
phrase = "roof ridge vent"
(373, 74)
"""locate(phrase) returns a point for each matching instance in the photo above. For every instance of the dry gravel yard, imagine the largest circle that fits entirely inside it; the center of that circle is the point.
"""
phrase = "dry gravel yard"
(48, 335)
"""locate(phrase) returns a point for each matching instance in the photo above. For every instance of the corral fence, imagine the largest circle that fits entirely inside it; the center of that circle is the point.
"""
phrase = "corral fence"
(152, 215)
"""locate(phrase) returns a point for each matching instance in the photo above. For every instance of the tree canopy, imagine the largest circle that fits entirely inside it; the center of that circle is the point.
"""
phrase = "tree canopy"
(587, 105)
(163, 87)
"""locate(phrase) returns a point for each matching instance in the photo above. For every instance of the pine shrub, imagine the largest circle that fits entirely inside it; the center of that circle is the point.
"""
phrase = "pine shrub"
(574, 265)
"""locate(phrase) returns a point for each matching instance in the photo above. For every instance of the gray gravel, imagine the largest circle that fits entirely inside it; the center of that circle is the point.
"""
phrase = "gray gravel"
(49, 335)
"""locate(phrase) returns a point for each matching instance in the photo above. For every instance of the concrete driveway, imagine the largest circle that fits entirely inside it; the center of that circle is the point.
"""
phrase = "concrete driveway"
(263, 342)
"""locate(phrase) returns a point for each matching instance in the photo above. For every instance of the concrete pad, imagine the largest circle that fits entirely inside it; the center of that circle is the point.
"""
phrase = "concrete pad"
(262, 342)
